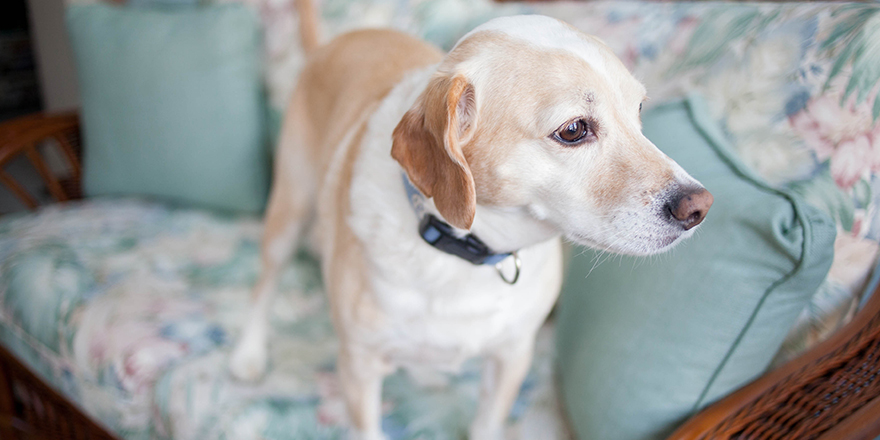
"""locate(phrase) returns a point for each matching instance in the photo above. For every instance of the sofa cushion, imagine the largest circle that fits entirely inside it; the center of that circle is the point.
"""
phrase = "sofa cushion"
(130, 309)
(172, 103)
(645, 342)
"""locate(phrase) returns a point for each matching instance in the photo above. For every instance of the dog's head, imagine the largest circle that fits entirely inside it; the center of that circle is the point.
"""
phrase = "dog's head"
(527, 112)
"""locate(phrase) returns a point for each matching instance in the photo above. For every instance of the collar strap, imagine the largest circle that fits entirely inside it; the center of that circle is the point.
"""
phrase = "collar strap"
(442, 236)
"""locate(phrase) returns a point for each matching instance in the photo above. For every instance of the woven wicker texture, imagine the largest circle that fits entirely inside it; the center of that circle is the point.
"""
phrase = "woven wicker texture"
(30, 135)
(30, 410)
(808, 397)
(817, 400)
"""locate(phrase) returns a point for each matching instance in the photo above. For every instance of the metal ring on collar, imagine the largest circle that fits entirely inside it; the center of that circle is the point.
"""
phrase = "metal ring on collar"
(517, 263)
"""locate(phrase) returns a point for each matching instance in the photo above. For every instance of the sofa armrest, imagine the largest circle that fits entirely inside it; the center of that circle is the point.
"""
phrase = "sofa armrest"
(30, 135)
(830, 392)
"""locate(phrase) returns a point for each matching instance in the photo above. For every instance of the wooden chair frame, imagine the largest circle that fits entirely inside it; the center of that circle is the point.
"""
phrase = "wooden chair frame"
(24, 135)
(831, 392)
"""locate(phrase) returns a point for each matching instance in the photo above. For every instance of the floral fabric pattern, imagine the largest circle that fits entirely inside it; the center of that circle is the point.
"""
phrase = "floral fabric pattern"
(130, 308)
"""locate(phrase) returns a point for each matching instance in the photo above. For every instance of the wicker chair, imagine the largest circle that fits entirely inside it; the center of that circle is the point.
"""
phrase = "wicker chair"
(25, 135)
(830, 392)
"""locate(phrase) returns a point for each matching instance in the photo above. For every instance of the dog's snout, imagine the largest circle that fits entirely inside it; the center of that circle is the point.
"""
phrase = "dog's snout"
(689, 208)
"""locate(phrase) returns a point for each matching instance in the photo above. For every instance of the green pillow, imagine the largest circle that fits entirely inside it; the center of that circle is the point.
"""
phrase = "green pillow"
(643, 343)
(173, 103)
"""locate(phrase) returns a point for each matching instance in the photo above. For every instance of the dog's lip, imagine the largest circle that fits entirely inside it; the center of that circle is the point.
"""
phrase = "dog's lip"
(583, 240)
(669, 240)
(593, 244)
(658, 244)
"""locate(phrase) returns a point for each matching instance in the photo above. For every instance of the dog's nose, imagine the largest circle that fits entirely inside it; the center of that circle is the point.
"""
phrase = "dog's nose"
(690, 207)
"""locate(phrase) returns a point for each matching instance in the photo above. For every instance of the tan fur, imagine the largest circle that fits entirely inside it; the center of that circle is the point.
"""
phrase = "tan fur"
(344, 81)
(309, 34)
(344, 77)
(335, 94)
(427, 143)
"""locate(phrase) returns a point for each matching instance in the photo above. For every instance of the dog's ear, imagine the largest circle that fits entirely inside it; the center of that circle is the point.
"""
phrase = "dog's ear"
(428, 145)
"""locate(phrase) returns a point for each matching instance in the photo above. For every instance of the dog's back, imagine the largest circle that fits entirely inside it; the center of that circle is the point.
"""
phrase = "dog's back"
(339, 86)
(345, 77)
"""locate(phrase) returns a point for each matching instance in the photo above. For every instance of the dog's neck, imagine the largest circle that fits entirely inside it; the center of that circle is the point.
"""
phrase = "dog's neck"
(468, 245)
(509, 229)
(503, 230)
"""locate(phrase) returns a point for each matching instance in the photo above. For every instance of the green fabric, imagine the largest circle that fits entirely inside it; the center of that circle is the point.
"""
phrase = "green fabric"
(172, 103)
(645, 342)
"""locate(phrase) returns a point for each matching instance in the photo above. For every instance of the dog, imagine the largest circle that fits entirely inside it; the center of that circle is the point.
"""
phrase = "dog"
(439, 188)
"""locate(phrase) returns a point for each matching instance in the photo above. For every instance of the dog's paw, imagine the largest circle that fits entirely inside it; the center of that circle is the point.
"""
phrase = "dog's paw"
(248, 361)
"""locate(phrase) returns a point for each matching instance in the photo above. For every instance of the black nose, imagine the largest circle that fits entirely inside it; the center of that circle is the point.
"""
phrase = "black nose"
(689, 207)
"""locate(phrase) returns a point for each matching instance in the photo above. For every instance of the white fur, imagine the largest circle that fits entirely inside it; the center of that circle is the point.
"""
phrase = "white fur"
(444, 310)
(546, 32)
(251, 354)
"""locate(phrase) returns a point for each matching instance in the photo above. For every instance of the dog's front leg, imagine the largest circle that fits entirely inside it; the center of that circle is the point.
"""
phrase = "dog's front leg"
(360, 374)
(503, 373)
(285, 216)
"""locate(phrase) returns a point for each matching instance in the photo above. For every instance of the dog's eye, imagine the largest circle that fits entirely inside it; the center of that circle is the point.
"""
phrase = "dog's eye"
(574, 132)
(640, 107)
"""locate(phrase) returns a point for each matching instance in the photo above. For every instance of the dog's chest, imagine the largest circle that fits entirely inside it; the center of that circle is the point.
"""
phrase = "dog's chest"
(447, 323)
(440, 310)
(432, 308)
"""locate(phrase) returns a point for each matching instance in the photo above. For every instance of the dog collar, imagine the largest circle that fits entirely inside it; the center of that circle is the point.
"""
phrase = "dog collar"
(441, 235)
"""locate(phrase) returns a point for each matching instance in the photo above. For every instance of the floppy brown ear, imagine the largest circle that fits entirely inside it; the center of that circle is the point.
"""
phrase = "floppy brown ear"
(428, 145)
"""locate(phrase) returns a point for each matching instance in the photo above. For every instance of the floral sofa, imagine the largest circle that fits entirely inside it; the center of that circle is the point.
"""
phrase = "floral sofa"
(128, 307)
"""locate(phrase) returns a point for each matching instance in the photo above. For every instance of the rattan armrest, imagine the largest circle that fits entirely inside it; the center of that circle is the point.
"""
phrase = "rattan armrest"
(830, 392)
(32, 410)
(25, 135)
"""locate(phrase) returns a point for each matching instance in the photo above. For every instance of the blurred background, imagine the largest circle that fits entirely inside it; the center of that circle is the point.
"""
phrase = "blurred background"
(36, 73)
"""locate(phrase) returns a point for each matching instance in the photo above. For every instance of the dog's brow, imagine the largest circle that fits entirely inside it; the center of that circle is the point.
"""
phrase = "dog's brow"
(589, 97)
